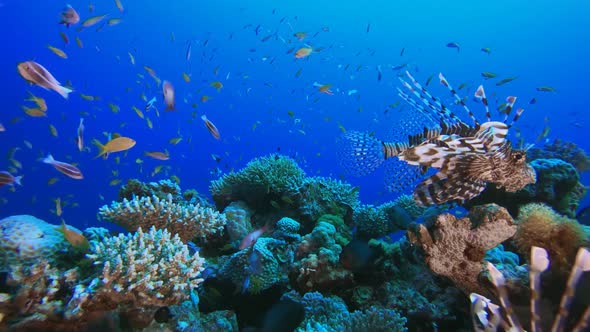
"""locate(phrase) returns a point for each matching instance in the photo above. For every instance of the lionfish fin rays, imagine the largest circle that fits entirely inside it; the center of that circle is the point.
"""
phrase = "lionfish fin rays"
(439, 189)
(360, 153)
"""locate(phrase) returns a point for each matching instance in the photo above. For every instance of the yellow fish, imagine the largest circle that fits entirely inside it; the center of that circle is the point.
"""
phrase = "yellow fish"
(57, 52)
(138, 112)
(175, 140)
(114, 21)
(41, 104)
(52, 181)
(79, 42)
(119, 5)
(115, 145)
(217, 85)
(93, 20)
(34, 112)
(149, 123)
(58, 210)
(114, 182)
(75, 238)
(186, 78)
(204, 98)
(53, 130)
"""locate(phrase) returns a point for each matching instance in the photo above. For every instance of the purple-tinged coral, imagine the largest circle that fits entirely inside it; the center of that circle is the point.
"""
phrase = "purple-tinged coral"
(190, 222)
(455, 248)
(26, 240)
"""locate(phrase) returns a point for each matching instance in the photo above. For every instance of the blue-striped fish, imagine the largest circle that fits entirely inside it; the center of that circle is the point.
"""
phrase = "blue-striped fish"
(466, 157)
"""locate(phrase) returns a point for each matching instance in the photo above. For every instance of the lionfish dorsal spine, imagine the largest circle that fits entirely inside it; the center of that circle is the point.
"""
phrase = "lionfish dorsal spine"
(394, 149)
(444, 82)
(481, 95)
(510, 100)
(516, 117)
(445, 116)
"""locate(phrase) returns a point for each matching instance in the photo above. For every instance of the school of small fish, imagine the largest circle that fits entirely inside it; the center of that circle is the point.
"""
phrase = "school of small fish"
(301, 47)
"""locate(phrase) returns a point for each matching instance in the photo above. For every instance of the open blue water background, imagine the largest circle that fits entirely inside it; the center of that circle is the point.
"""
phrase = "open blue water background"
(544, 43)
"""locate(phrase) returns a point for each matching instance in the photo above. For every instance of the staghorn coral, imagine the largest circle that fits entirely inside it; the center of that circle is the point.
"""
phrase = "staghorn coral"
(141, 270)
(455, 248)
(190, 222)
(263, 179)
(541, 226)
(25, 239)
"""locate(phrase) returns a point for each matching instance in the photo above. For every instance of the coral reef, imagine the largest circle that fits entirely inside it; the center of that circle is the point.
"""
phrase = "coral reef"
(541, 226)
(26, 240)
(145, 269)
(265, 179)
(321, 195)
(317, 265)
(259, 267)
(455, 248)
(374, 222)
(343, 232)
(190, 222)
(162, 189)
(557, 185)
(566, 151)
(238, 224)
(331, 314)
(38, 295)
(408, 203)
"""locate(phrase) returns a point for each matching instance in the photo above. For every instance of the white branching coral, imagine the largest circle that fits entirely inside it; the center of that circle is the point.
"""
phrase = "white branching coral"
(144, 269)
(189, 221)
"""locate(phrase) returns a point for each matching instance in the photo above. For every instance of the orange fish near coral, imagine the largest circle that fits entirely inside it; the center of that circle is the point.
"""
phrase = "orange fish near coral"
(75, 238)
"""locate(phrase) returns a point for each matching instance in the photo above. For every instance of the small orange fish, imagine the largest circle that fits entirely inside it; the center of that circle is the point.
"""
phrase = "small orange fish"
(303, 52)
(326, 89)
(75, 238)
(217, 85)
(211, 127)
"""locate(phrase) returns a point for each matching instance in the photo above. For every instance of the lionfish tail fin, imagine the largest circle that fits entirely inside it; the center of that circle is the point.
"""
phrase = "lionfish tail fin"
(360, 153)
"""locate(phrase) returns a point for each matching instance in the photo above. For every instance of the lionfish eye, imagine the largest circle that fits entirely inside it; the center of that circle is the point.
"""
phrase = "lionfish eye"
(518, 156)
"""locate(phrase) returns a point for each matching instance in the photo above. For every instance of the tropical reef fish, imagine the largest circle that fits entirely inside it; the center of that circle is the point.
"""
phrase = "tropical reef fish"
(76, 239)
(57, 52)
(93, 20)
(9, 179)
(65, 168)
(506, 80)
(454, 45)
(251, 238)
(80, 135)
(486, 50)
(546, 89)
(158, 155)
(69, 16)
(210, 127)
(466, 157)
(115, 145)
(37, 74)
(303, 52)
(150, 104)
(168, 91)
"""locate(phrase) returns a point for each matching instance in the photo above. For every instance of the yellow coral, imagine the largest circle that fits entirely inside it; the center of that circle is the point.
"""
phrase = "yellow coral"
(541, 226)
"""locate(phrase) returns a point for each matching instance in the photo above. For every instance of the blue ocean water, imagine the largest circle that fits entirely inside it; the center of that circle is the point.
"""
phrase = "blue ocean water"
(245, 46)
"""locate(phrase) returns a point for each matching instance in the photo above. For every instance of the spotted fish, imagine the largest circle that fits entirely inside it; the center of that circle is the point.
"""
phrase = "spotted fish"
(466, 157)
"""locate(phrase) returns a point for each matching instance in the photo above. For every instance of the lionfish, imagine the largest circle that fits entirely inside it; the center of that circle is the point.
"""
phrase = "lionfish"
(466, 157)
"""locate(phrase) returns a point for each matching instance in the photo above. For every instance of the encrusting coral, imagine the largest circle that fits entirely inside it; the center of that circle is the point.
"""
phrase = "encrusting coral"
(190, 222)
(566, 151)
(455, 248)
(541, 226)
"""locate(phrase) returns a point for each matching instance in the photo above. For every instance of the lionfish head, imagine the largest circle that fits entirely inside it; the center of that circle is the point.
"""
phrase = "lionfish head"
(518, 172)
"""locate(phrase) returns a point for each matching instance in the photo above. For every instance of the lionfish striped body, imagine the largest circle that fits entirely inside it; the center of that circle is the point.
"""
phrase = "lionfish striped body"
(466, 157)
